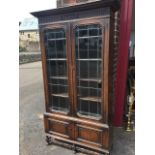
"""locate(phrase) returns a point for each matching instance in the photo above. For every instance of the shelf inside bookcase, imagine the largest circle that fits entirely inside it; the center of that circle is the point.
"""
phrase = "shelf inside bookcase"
(59, 109)
(59, 77)
(56, 39)
(64, 95)
(90, 79)
(84, 87)
(62, 85)
(91, 98)
(88, 37)
(90, 59)
(57, 59)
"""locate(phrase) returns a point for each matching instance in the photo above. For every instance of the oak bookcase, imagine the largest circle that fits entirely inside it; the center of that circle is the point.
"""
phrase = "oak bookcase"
(79, 57)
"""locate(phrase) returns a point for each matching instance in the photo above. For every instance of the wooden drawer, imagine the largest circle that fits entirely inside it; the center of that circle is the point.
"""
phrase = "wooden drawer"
(58, 127)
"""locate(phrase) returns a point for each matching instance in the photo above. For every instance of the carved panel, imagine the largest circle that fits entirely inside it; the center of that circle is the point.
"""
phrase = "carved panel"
(89, 135)
(74, 15)
(58, 127)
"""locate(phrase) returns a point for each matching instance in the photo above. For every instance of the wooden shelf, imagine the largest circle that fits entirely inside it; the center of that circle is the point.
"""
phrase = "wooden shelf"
(53, 84)
(88, 37)
(56, 39)
(65, 95)
(88, 87)
(57, 59)
(91, 79)
(89, 59)
(82, 29)
(91, 98)
(59, 77)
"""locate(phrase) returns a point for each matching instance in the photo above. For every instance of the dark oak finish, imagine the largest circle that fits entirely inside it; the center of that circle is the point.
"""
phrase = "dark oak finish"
(79, 64)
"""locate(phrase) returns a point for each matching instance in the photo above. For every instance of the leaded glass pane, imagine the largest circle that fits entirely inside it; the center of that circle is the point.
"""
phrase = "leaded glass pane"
(55, 44)
(88, 41)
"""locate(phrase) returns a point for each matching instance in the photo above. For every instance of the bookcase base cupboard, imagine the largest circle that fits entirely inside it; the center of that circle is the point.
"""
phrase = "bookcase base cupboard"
(79, 55)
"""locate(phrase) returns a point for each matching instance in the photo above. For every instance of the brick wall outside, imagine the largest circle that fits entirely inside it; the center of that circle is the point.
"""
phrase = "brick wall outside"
(29, 41)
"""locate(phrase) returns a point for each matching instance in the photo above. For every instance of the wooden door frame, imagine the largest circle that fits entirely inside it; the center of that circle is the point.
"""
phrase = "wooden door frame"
(104, 22)
(44, 65)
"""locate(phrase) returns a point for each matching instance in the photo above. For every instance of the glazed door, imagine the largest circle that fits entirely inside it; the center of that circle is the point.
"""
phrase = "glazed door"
(88, 56)
(57, 77)
(56, 49)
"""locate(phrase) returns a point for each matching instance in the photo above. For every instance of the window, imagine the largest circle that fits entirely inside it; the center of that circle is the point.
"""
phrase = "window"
(22, 33)
(28, 35)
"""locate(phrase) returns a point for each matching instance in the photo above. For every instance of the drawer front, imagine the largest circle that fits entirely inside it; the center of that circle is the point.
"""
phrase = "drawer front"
(58, 127)
(93, 136)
